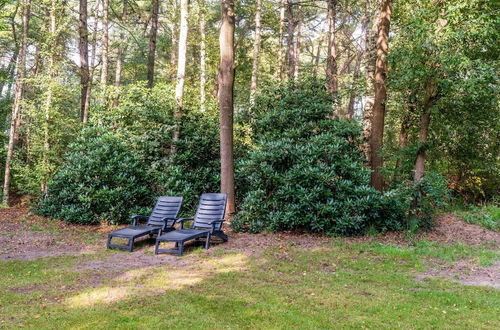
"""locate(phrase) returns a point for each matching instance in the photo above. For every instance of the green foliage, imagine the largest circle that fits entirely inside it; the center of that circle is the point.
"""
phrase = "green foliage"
(306, 170)
(102, 179)
(410, 206)
(487, 216)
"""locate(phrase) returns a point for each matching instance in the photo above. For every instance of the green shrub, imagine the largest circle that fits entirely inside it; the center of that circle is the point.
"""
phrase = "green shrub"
(100, 180)
(306, 170)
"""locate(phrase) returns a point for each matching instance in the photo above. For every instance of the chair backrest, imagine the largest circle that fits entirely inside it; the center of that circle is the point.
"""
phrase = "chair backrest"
(211, 207)
(166, 207)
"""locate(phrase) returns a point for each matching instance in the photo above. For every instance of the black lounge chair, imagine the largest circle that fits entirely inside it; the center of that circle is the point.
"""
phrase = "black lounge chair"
(206, 223)
(162, 219)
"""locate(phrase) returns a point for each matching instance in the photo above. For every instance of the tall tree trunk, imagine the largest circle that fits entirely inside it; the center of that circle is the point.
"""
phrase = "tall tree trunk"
(203, 57)
(425, 119)
(121, 50)
(84, 62)
(290, 39)
(155, 5)
(11, 70)
(48, 101)
(297, 46)
(256, 48)
(105, 49)
(402, 143)
(93, 48)
(331, 60)
(318, 55)
(357, 67)
(174, 41)
(225, 96)
(18, 96)
(181, 71)
(377, 135)
(370, 60)
(281, 54)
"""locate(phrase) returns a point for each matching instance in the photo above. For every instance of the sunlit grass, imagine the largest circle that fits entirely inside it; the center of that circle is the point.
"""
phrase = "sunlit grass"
(359, 285)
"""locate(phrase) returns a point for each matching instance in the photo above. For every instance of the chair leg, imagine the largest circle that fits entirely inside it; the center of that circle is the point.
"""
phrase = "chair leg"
(130, 245)
(221, 235)
(207, 242)
(108, 242)
(156, 246)
(180, 248)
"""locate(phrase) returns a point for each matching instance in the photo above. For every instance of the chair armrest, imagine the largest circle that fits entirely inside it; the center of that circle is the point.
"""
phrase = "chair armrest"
(182, 220)
(212, 222)
(136, 217)
(165, 222)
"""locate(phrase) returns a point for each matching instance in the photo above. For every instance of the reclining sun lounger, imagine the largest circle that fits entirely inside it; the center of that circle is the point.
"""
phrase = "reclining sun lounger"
(162, 219)
(206, 223)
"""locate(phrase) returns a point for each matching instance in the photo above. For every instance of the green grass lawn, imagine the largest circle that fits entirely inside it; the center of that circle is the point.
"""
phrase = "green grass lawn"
(357, 285)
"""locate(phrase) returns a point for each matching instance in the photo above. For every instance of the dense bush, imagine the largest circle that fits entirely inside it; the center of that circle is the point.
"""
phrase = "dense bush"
(100, 180)
(306, 170)
(410, 205)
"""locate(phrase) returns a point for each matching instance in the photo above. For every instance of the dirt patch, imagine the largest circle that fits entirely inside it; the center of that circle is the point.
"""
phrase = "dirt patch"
(465, 272)
(449, 229)
(26, 236)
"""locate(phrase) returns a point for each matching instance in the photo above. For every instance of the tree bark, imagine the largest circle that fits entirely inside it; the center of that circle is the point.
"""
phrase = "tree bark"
(155, 5)
(203, 57)
(376, 138)
(121, 50)
(84, 62)
(318, 55)
(357, 67)
(225, 96)
(281, 55)
(370, 59)
(48, 101)
(425, 119)
(297, 46)
(256, 49)
(174, 41)
(18, 96)
(331, 60)
(290, 39)
(181, 71)
(105, 50)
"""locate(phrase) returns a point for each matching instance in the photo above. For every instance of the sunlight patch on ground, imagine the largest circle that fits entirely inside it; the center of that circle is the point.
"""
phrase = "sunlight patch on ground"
(151, 281)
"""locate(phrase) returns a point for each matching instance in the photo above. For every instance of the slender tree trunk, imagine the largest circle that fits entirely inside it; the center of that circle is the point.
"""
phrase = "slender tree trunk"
(318, 55)
(377, 135)
(290, 39)
(93, 47)
(105, 49)
(18, 96)
(225, 96)
(370, 59)
(331, 60)
(402, 143)
(297, 46)
(84, 62)
(155, 5)
(181, 71)
(48, 101)
(174, 41)
(203, 57)
(425, 119)
(121, 50)
(281, 54)
(11, 70)
(256, 49)
(357, 69)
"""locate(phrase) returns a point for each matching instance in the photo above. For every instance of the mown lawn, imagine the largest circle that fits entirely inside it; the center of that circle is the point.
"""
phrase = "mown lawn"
(340, 285)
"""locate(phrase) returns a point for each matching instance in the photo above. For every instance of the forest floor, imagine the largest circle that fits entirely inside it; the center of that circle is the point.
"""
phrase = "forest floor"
(58, 274)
